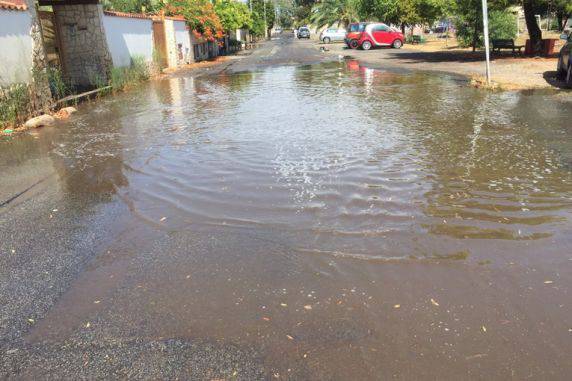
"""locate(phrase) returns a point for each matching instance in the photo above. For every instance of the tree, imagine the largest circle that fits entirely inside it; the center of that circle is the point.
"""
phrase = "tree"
(531, 9)
(330, 12)
(233, 15)
(284, 13)
(502, 26)
(263, 16)
(132, 6)
(200, 17)
(405, 12)
(563, 12)
(302, 11)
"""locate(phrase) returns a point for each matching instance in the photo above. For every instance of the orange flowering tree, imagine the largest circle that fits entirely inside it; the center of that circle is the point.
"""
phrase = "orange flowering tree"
(200, 16)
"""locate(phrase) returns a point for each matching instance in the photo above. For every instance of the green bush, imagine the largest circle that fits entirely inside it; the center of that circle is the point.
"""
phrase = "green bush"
(502, 26)
(123, 77)
(58, 86)
(15, 104)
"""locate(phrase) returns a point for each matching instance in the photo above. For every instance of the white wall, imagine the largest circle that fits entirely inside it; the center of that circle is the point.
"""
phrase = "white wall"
(183, 38)
(127, 37)
(15, 47)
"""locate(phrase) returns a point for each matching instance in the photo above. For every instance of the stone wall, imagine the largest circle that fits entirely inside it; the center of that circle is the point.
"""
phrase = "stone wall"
(85, 56)
(41, 95)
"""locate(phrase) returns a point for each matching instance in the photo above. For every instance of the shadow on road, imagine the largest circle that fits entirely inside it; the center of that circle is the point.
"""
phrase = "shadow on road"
(552, 79)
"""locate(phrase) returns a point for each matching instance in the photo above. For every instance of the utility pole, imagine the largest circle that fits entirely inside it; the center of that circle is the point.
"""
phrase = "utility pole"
(486, 34)
(265, 22)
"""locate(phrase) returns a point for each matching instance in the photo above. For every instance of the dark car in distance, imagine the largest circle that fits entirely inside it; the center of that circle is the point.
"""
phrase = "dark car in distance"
(303, 32)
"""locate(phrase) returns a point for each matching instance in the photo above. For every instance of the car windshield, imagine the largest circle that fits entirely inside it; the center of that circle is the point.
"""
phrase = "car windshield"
(304, 29)
(357, 27)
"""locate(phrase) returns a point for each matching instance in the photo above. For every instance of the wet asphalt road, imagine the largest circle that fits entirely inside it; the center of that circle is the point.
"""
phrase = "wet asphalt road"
(47, 243)
(127, 256)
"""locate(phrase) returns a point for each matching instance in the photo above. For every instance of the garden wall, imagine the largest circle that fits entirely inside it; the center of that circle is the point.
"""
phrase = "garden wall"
(16, 46)
(128, 36)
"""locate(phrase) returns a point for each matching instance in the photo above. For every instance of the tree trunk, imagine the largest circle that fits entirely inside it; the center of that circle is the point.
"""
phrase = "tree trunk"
(534, 32)
(475, 34)
(559, 17)
(403, 28)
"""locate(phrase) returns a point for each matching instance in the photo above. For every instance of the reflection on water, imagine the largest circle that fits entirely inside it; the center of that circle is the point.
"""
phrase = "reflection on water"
(347, 159)
(337, 218)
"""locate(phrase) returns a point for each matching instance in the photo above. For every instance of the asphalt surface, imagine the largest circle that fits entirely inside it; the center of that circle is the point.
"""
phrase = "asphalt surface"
(122, 255)
(49, 241)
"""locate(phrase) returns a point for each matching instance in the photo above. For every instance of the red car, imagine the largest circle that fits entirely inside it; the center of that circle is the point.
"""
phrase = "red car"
(368, 35)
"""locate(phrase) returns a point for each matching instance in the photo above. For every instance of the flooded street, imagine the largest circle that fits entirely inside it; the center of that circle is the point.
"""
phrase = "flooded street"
(310, 221)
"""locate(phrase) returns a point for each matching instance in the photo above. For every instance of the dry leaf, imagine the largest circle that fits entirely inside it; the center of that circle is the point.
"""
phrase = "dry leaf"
(434, 302)
(289, 337)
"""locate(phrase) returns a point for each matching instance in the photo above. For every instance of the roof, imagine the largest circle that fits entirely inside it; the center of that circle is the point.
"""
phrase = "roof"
(124, 14)
(141, 16)
(15, 5)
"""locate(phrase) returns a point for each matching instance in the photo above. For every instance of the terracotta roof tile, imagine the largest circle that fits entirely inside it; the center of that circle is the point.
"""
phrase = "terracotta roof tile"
(15, 5)
(129, 15)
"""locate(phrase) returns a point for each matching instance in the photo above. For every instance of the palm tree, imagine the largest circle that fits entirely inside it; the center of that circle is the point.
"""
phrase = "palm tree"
(329, 12)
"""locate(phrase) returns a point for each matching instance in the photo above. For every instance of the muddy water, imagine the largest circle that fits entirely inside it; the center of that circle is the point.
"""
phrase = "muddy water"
(346, 223)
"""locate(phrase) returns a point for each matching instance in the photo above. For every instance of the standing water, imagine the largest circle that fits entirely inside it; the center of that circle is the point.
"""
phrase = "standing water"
(343, 222)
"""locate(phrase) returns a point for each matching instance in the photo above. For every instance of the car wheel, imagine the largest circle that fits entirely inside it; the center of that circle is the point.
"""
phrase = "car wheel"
(326, 40)
(366, 45)
(354, 44)
(397, 44)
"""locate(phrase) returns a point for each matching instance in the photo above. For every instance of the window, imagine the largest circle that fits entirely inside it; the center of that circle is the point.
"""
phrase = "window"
(357, 27)
(380, 28)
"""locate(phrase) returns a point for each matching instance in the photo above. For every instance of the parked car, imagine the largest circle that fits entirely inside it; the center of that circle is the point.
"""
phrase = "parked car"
(303, 32)
(375, 34)
(565, 59)
(332, 34)
(353, 34)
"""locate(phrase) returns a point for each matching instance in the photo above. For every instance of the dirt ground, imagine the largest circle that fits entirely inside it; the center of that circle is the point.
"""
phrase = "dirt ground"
(508, 71)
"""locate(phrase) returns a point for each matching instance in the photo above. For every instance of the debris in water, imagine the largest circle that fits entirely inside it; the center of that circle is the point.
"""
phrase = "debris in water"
(289, 337)
(265, 318)
(87, 325)
(162, 219)
(284, 304)
(397, 306)
(96, 301)
(484, 328)
(548, 282)
(434, 302)
(308, 307)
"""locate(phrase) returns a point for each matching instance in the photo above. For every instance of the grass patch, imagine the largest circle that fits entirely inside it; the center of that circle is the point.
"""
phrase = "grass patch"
(123, 78)
(15, 105)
